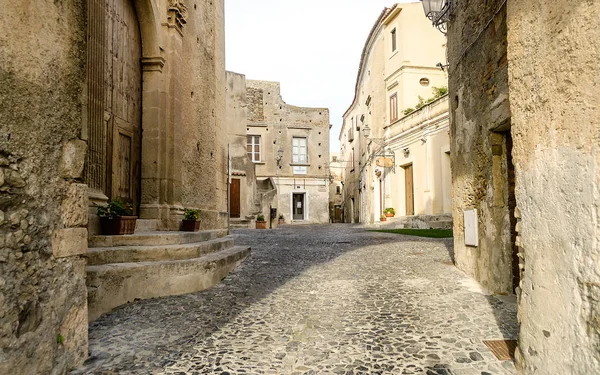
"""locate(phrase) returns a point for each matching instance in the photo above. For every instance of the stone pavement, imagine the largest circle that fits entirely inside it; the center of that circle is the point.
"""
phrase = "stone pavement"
(327, 299)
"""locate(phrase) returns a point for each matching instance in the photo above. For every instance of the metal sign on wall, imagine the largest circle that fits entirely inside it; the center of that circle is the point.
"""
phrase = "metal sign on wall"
(386, 161)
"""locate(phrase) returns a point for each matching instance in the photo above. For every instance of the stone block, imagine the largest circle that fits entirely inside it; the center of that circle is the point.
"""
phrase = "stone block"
(13, 178)
(1, 177)
(73, 159)
(74, 208)
(69, 242)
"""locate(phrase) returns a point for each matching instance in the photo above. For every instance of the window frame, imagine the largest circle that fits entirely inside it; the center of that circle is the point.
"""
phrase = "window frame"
(393, 107)
(250, 141)
(297, 156)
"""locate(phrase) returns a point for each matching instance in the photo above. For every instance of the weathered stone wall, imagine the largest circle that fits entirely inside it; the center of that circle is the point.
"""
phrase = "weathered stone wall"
(480, 118)
(242, 166)
(277, 123)
(202, 84)
(43, 205)
(553, 53)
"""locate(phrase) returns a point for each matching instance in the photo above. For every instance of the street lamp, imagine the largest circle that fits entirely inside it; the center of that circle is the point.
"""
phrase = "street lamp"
(367, 132)
(438, 12)
(279, 155)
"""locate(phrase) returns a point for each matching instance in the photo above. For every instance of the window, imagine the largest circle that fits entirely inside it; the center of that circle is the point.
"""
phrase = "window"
(424, 81)
(393, 107)
(394, 40)
(338, 190)
(253, 147)
(299, 154)
(352, 170)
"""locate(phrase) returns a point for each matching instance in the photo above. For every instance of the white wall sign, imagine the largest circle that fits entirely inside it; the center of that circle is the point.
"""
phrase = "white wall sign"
(471, 228)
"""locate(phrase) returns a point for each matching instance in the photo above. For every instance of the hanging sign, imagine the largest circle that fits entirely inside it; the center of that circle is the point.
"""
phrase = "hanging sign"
(384, 161)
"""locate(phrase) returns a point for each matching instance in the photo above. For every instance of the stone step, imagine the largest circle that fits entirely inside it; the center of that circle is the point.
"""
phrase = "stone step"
(112, 285)
(156, 238)
(130, 254)
(146, 225)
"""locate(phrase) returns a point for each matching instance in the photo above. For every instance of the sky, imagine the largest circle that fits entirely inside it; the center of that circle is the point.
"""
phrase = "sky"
(312, 47)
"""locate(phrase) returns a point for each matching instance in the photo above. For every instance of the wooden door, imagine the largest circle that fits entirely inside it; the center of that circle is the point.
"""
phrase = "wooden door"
(409, 189)
(235, 198)
(123, 79)
(114, 81)
(298, 202)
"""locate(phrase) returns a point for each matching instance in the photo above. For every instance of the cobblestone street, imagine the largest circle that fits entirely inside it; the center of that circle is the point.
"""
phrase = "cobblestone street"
(329, 299)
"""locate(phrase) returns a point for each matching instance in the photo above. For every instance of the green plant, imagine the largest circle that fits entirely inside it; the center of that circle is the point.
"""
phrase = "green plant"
(60, 339)
(191, 214)
(114, 208)
(281, 217)
(438, 92)
(389, 210)
(408, 111)
(260, 217)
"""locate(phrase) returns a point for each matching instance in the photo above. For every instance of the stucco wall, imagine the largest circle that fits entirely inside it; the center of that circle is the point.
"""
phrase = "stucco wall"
(43, 205)
(553, 53)
(425, 134)
(478, 84)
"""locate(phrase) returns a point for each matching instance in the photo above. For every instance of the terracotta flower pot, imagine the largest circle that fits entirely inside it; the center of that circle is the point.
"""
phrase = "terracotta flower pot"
(387, 214)
(261, 224)
(117, 226)
(382, 218)
(281, 221)
(190, 225)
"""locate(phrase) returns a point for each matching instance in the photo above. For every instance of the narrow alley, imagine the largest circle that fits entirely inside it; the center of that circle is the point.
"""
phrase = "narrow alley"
(326, 299)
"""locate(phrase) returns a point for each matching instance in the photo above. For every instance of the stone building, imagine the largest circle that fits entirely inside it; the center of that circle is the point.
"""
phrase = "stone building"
(397, 73)
(289, 147)
(524, 128)
(101, 99)
(336, 186)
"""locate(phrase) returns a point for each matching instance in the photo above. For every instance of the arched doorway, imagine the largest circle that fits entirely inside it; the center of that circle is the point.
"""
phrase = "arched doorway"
(114, 99)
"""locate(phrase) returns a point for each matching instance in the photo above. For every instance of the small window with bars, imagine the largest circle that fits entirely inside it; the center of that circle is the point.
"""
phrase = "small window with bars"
(253, 148)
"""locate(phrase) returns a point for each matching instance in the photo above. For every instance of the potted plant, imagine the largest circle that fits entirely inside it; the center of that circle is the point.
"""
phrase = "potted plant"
(281, 219)
(116, 218)
(389, 212)
(260, 222)
(382, 218)
(190, 220)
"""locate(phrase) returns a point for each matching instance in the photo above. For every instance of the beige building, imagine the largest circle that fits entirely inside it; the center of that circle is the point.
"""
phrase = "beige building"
(336, 186)
(104, 99)
(525, 125)
(287, 146)
(403, 162)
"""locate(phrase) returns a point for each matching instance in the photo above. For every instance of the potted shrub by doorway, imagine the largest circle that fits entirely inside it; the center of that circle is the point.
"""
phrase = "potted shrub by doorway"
(116, 218)
(382, 218)
(190, 220)
(281, 219)
(389, 212)
(260, 222)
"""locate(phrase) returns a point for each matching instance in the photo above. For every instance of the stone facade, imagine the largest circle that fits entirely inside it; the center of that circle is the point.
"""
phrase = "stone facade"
(53, 142)
(397, 71)
(481, 137)
(528, 166)
(242, 167)
(298, 189)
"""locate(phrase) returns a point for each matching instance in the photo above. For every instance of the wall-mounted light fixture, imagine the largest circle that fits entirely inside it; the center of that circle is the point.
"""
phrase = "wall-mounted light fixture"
(438, 12)
(406, 152)
(279, 155)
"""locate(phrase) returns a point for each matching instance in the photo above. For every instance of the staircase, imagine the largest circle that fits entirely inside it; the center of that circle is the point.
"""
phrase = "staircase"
(151, 264)
(242, 223)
